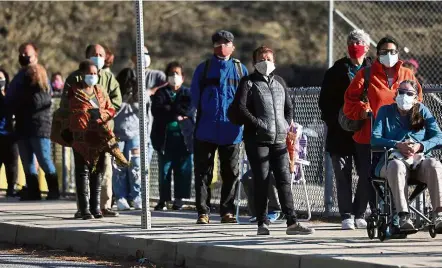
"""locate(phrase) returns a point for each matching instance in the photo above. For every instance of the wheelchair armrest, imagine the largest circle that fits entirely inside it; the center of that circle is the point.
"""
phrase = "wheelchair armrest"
(378, 149)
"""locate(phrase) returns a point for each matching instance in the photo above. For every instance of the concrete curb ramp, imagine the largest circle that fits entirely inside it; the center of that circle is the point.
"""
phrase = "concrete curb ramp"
(166, 253)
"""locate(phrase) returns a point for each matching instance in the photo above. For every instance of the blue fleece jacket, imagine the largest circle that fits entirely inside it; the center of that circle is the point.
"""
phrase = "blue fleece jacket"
(390, 128)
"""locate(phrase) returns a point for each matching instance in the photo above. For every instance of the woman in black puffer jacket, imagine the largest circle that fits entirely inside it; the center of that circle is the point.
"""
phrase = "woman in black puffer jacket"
(265, 109)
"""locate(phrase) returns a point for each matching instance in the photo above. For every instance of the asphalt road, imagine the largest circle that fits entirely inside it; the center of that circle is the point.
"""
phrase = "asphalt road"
(29, 261)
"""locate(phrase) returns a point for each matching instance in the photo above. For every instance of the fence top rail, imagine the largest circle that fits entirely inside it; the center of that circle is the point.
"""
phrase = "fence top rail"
(427, 88)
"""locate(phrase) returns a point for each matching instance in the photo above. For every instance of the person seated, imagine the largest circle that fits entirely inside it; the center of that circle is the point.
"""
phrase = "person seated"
(409, 128)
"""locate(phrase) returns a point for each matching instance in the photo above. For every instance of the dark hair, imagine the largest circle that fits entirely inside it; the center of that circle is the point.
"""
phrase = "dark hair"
(417, 121)
(385, 40)
(55, 74)
(173, 64)
(128, 82)
(91, 47)
(24, 45)
(2, 70)
(261, 50)
(85, 65)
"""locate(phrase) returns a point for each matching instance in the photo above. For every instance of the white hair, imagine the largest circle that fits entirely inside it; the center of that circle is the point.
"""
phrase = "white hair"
(359, 35)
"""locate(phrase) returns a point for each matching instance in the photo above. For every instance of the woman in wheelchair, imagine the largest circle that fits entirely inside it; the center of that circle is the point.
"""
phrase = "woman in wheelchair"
(409, 129)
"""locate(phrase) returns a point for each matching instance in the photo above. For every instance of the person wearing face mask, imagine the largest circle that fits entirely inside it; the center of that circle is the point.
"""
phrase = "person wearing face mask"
(409, 128)
(339, 143)
(266, 110)
(213, 87)
(8, 143)
(97, 54)
(57, 84)
(89, 113)
(386, 72)
(172, 137)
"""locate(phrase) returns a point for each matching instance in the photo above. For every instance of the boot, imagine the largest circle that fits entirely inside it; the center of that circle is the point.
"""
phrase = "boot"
(95, 193)
(32, 191)
(52, 181)
(81, 183)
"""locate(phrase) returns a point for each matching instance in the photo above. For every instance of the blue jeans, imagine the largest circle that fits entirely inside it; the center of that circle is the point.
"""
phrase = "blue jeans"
(39, 147)
(126, 182)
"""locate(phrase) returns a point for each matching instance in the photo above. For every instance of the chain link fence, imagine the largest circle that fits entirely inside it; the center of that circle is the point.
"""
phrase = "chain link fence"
(416, 25)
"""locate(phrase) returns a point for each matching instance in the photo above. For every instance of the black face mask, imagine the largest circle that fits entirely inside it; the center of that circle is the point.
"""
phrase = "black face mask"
(2, 83)
(24, 60)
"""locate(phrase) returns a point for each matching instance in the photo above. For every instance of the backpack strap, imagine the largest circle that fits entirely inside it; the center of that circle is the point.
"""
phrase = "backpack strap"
(238, 68)
(367, 74)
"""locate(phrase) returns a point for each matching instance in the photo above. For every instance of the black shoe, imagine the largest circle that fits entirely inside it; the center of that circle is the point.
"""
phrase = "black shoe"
(77, 215)
(54, 192)
(86, 215)
(11, 193)
(98, 215)
(177, 204)
(161, 206)
(32, 190)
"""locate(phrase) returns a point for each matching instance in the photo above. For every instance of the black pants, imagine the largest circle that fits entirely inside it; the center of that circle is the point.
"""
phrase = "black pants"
(9, 158)
(262, 159)
(204, 155)
(86, 177)
(343, 166)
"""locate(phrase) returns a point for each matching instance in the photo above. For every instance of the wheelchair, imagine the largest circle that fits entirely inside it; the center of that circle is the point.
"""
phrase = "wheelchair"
(381, 221)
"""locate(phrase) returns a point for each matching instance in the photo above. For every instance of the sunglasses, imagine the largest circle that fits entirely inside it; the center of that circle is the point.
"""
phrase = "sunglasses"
(386, 51)
(406, 92)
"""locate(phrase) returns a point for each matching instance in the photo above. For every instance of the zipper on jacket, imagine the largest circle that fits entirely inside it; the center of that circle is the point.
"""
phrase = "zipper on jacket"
(274, 109)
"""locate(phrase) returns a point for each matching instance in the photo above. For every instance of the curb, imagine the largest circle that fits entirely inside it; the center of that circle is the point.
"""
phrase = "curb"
(166, 253)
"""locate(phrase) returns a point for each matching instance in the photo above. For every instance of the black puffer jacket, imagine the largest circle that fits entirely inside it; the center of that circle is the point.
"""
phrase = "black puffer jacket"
(331, 99)
(33, 118)
(265, 108)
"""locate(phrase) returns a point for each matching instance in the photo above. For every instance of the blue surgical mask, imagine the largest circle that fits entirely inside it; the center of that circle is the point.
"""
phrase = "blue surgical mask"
(98, 61)
(91, 79)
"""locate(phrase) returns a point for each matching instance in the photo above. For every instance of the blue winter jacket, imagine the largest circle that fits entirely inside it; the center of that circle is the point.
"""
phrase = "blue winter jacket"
(213, 100)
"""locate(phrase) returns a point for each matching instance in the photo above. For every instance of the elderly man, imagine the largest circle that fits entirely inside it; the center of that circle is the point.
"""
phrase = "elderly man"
(213, 87)
(339, 142)
(96, 53)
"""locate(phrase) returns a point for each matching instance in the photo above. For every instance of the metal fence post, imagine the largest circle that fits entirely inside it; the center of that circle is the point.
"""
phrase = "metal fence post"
(143, 113)
(328, 187)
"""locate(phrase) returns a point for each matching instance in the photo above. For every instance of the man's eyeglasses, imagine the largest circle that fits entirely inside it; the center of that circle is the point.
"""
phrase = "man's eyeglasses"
(386, 51)
(406, 92)
(223, 45)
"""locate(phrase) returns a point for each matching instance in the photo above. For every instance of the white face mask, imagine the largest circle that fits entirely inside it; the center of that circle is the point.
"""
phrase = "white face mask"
(98, 61)
(91, 79)
(389, 60)
(265, 67)
(175, 80)
(147, 60)
(405, 102)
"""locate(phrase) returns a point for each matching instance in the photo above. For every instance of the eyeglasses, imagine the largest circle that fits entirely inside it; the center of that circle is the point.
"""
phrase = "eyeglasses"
(386, 51)
(405, 91)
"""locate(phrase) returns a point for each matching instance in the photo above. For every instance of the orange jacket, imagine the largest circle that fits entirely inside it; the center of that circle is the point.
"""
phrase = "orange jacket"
(378, 95)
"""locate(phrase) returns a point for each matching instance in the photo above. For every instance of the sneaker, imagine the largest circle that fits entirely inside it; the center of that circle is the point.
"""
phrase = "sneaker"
(122, 204)
(228, 218)
(107, 212)
(360, 223)
(203, 219)
(161, 206)
(298, 229)
(273, 216)
(348, 224)
(405, 223)
(263, 229)
(253, 220)
(138, 203)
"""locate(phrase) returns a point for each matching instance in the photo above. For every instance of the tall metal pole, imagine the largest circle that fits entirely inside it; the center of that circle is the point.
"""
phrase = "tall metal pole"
(143, 98)
(328, 183)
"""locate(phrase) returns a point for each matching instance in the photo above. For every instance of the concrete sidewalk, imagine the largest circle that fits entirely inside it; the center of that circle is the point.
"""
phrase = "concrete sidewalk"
(176, 241)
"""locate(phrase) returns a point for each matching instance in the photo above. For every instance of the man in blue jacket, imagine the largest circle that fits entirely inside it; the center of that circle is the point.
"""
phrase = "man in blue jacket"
(213, 88)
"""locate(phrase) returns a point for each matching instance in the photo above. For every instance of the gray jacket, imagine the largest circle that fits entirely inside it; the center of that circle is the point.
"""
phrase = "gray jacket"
(265, 108)
(127, 123)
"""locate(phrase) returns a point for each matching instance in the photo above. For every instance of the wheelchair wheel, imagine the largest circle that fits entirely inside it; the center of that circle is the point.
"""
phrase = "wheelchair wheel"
(432, 231)
(382, 231)
(371, 229)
